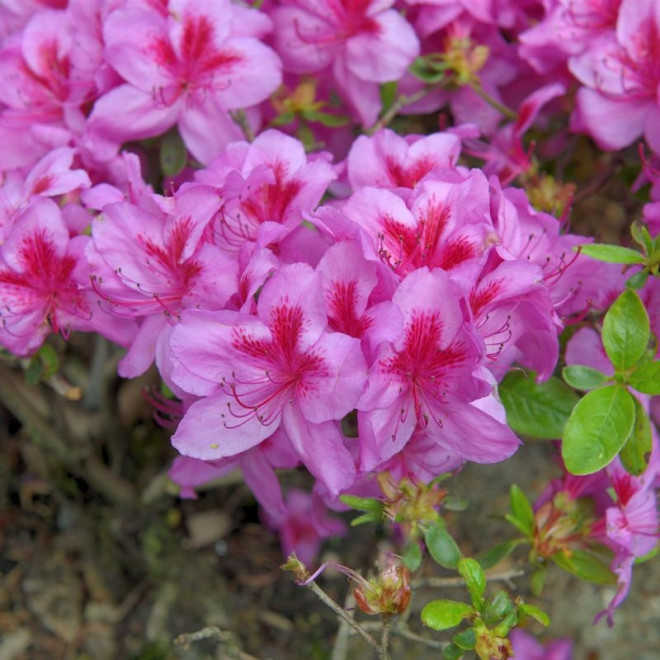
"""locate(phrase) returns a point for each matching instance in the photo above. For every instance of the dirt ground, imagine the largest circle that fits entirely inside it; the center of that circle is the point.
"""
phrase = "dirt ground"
(103, 563)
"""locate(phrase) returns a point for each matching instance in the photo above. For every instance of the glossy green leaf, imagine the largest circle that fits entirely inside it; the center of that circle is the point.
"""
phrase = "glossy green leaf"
(583, 378)
(614, 254)
(452, 652)
(586, 566)
(441, 546)
(466, 639)
(445, 614)
(495, 555)
(637, 451)
(536, 410)
(475, 578)
(646, 378)
(535, 613)
(626, 330)
(412, 556)
(597, 429)
(521, 510)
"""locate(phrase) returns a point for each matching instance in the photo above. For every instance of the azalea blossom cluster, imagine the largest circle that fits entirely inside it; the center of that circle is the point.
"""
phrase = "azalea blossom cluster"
(350, 309)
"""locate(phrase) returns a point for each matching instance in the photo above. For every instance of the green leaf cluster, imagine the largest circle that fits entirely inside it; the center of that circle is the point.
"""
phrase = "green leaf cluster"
(648, 257)
(609, 420)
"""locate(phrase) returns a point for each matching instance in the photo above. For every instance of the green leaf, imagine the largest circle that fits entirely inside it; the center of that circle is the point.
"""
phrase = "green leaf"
(637, 451)
(499, 606)
(495, 555)
(614, 254)
(445, 614)
(325, 118)
(421, 68)
(646, 378)
(583, 378)
(466, 639)
(362, 503)
(536, 410)
(452, 652)
(366, 518)
(522, 510)
(475, 578)
(173, 154)
(33, 372)
(388, 92)
(586, 566)
(597, 429)
(642, 237)
(283, 118)
(638, 280)
(412, 556)
(626, 330)
(441, 546)
(534, 612)
(538, 579)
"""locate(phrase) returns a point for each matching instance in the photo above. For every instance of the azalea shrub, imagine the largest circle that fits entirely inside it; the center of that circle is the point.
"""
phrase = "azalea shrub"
(346, 234)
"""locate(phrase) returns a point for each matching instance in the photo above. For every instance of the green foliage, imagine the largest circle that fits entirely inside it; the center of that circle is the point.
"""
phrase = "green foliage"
(626, 331)
(522, 514)
(613, 254)
(597, 429)
(445, 614)
(536, 410)
(43, 364)
(372, 507)
(637, 451)
(499, 552)
(412, 556)
(441, 546)
(646, 378)
(648, 258)
(584, 378)
(585, 565)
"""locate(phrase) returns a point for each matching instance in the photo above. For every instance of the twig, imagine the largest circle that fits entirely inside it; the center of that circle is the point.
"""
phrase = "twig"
(493, 102)
(344, 616)
(340, 648)
(212, 632)
(400, 103)
(504, 576)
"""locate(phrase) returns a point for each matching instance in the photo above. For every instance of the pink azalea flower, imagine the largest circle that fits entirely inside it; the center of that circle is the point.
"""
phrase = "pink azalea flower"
(619, 102)
(266, 186)
(43, 283)
(186, 67)
(152, 265)
(568, 29)
(278, 370)
(527, 647)
(513, 312)
(41, 90)
(52, 176)
(364, 42)
(428, 380)
(445, 222)
(304, 524)
(388, 160)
